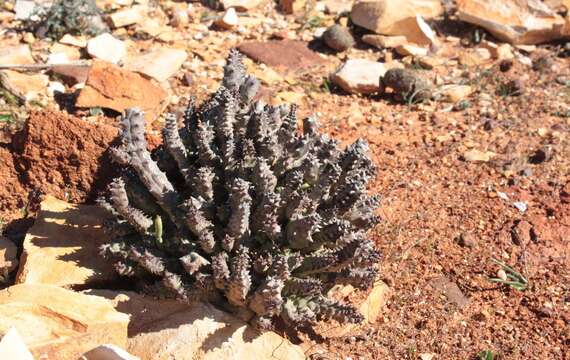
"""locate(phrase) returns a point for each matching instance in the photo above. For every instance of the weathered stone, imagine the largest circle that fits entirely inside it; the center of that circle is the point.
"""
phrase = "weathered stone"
(454, 93)
(371, 307)
(359, 76)
(167, 329)
(24, 9)
(396, 17)
(56, 323)
(283, 55)
(69, 39)
(338, 38)
(12, 346)
(383, 41)
(430, 62)
(130, 16)
(16, 55)
(61, 247)
(108, 352)
(106, 47)
(291, 6)
(159, 64)
(240, 5)
(72, 73)
(474, 57)
(8, 256)
(228, 20)
(179, 17)
(411, 50)
(513, 21)
(451, 291)
(336, 7)
(71, 52)
(23, 85)
(474, 155)
(111, 87)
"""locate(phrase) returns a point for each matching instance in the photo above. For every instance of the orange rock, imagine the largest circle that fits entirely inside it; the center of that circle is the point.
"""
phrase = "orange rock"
(61, 248)
(56, 323)
(109, 86)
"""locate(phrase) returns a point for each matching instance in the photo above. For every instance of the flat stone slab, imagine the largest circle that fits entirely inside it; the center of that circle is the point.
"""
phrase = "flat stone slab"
(61, 248)
(109, 86)
(167, 329)
(61, 324)
(283, 55)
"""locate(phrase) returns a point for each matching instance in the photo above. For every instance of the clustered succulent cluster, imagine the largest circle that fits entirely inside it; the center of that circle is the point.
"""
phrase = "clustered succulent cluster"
(76, 17)
(240, 208)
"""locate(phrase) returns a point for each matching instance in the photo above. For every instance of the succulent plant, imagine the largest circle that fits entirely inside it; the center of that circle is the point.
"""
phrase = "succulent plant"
(77, 17)
(240, 208)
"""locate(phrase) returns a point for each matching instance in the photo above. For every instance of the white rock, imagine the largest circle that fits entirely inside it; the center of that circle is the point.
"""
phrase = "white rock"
(159, 64)
(359, 76)
(108, 352)
(229, 20)
(24, 9)
(58, 58)
(55, 86)
(107, 48)
(12, 346)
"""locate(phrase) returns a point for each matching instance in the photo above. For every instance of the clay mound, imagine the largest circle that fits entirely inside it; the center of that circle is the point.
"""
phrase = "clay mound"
(64, 156)
(12, 193)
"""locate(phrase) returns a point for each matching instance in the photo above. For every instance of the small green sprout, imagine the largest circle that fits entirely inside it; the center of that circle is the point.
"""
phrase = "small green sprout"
(514, 279)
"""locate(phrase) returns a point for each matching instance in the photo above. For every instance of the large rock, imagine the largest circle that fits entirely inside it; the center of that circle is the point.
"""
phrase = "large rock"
(396, 17)
(61, 248)
(109, 86)
(167, 329)
(360, 76)
(56, 323)
(159, 64)
(514, 21)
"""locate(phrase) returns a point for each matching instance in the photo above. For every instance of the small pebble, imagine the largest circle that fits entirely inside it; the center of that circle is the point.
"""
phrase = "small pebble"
(521, 206)
(501, 274)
